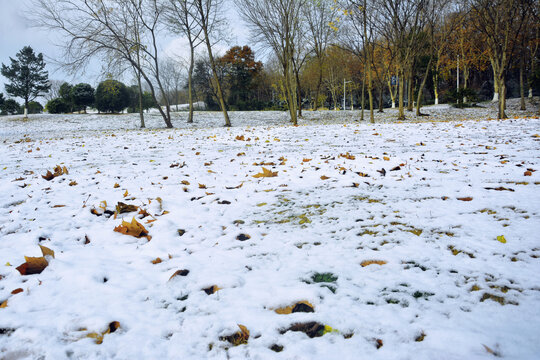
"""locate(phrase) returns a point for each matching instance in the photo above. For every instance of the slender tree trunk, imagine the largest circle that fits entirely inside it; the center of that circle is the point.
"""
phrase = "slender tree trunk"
(496, 85)
(381, 93)
(141, 110)
(216, 78)
(363, 97)
(401, 89)
(298, 94)
(410, 94)
(391, 91)
(190, 82)
(521, 86)
(421, 88)
(290, 91)
(370, 95)
(318, 88)
(502, 99)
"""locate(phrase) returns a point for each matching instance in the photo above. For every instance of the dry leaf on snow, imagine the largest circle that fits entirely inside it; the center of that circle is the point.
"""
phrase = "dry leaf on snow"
(266, 173)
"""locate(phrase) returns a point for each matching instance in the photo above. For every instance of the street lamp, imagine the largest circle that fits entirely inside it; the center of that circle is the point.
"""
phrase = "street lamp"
(344, 95)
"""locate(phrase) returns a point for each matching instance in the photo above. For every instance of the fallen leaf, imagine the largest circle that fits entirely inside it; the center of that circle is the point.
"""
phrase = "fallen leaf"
(211, 290)
(202, 186)
(33, 265)
(46, 251)
(311, 329)
(182, 272)
(234, 187)
(73, 183)
(133, 228)
(122, 208)
(157, 261)
(386, 158)
(116, 185)
(324, 177)
(113, 326)
(301, 306)
(3, 304)
(266, 173)
(238, 338)
(527, 173)
(501, 239)
(243, 237)
(468, 198)
(16, 291)
(306, 160)
(371, 262)
(185, 182)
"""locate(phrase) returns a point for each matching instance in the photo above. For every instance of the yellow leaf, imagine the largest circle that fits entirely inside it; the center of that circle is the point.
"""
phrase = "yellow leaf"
(306, 160)
(501, 239)
(133, 228)
(3, 305)
(116, 185)
(371, 262)
(386, 158)
(46, 251)
(202, 186)
(266, 173)
(156, 261)
(289, 309)
(126, 193)
(8, 264)
(185, 182)
(324, 177)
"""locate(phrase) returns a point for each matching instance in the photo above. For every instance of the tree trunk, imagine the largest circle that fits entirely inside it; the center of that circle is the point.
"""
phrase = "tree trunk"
(421, 88)
(318, 88)
(190, 82)
(401, 115)
(496, 85)
(363, 97)
(410, 94)
(141, 110)
(381, 93)
(298, 94)
(521, 86)
(502, 99)
(216, 78)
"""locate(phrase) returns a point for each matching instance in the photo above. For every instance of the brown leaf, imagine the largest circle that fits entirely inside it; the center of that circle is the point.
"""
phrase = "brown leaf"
(202, 186)
(234, 187)
(527, 173)
(311, 329)
(157, 261)
(211, 290)
(324, 177)
(48, 176)
(122, 208)
(16, 291)
(468, 198)
(33, 265)
(266, 173)
(3, 304)
(116, 185)
(182, 272)
(238, 338)
(73, 183)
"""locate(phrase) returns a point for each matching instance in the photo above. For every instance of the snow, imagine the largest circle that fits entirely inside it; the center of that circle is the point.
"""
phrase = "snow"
(298, 223)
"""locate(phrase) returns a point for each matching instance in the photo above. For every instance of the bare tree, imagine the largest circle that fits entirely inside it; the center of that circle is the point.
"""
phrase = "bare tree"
(182, 15)
(320, 16)
(501, 21)
(106, 28)
(173, 78)
(54, 90)
(401, 24)
(208, 17)
(275, 24)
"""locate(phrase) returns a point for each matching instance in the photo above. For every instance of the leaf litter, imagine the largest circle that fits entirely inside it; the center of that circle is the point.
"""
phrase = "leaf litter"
(405, 230)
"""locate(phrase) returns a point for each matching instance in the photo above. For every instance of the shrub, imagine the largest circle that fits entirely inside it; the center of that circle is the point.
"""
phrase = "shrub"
(57, 106)
(11, 107)
(111, 96)
(34, 107)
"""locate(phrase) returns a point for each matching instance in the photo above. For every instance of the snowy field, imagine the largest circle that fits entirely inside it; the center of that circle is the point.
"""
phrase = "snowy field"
(395, 240)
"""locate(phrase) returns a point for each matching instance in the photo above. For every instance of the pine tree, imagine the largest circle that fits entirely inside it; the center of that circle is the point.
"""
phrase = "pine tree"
(27, 76)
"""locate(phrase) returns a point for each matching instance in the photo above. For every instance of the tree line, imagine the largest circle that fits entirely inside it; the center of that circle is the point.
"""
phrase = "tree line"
(404, 52)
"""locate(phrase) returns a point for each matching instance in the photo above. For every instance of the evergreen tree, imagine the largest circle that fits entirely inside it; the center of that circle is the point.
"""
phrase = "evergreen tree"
(82, 96)
(27, 76)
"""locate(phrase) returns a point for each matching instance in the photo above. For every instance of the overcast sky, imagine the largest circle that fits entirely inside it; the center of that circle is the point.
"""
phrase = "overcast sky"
(16, 32)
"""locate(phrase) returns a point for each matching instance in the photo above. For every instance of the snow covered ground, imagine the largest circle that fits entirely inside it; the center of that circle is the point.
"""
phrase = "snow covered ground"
(409, 240)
